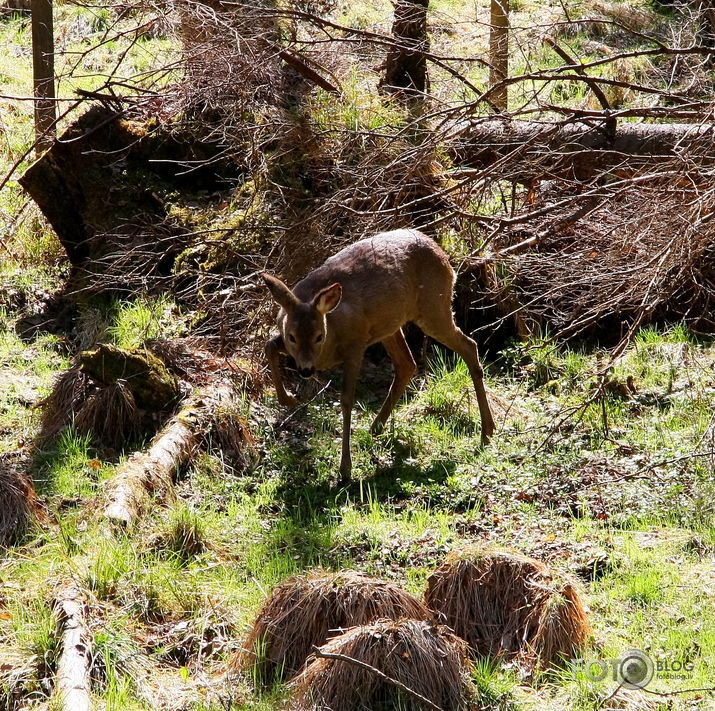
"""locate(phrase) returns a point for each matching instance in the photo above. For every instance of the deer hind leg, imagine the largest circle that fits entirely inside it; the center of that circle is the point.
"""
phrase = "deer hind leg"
(442, 328)
(405, 368)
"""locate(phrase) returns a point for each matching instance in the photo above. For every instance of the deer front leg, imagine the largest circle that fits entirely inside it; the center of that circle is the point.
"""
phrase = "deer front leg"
(351, 371)
(274, 348)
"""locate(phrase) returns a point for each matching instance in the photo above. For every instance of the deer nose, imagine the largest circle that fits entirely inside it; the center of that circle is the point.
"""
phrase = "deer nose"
(306, 372)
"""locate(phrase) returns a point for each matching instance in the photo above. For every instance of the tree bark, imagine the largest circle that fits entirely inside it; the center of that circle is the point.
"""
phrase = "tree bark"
(499, 52)
(154, 470)
(406, 65)
(73, 683)
(527, 150)
(43, 70)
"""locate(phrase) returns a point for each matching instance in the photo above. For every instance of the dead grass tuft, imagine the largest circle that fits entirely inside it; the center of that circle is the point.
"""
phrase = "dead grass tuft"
(563, 625)
(428, 659)
(108, 413)
(235, 438)
(505, 604)
(69, 392)
(630, 17)
(306, 610)
(18, 504)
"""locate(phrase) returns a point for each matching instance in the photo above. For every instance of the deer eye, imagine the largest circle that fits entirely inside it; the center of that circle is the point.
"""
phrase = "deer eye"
(319, 338)
(291, 338)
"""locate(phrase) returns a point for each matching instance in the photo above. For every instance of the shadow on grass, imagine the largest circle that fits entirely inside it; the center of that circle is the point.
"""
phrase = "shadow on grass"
(399, 481)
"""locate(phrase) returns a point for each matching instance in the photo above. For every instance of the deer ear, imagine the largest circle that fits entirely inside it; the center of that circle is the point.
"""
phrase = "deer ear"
(279, 291)
(327, 299)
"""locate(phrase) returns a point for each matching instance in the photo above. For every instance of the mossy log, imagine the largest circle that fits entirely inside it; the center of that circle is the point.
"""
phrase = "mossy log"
(72, 686)
(153, 470)
(154, 388)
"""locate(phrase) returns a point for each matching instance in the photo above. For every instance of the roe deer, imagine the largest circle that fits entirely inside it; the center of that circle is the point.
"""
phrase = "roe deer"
(364, 294)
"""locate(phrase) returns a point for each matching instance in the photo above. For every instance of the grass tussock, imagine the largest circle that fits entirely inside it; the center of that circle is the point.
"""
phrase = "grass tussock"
(18, 504)
(307, 610)
(428, 659)
(107, 413)
(505, 604)
(69, 391)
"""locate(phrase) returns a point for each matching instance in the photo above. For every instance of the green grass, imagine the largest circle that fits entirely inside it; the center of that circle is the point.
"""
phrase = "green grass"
(26, 371)
(619, 489)
(135, 322)
(422, 489)
(88, 41)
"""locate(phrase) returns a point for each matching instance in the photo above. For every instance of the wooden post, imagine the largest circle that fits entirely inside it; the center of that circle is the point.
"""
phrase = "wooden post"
(43, 69)
(499, 51)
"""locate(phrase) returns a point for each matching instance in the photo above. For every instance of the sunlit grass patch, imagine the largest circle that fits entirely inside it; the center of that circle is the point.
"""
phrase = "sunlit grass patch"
(69, 469)
(137, 321)
(26, 372)
(186, 533)
(34, 625)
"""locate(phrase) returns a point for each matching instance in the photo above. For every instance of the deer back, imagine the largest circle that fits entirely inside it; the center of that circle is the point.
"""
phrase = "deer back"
(386, 281)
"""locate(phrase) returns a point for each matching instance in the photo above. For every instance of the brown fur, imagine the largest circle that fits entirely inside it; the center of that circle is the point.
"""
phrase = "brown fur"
(364, 294)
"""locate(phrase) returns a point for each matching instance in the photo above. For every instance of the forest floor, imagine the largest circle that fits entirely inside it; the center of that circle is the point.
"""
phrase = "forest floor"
(617, 490)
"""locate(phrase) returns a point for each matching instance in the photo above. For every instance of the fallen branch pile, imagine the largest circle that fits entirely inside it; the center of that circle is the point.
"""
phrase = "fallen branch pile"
(642, 254)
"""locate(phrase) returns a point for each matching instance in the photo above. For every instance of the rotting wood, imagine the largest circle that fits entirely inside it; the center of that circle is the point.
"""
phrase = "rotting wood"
(72, 686)
(145, 374)
(153, 470)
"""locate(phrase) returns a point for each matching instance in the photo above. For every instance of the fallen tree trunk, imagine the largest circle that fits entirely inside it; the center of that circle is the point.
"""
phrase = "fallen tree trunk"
(533, 150)
(73, 683)
(154, 470)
